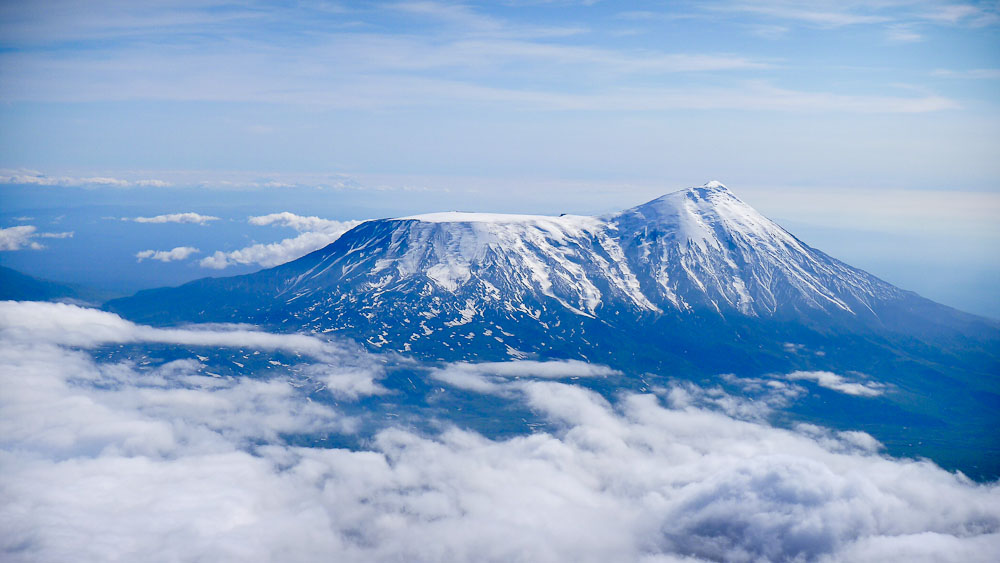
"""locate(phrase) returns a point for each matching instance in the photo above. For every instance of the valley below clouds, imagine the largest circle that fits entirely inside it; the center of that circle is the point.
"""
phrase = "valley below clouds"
(225, 443)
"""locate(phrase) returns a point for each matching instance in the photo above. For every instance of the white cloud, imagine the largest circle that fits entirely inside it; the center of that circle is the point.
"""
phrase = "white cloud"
(16, 238)
(316, 233)
(178, 253)
(495, 377)
(839, 383)
(105, 460)
(303, 224)
(35, 178)
(177, 218)
(268, 255)
(69, 325)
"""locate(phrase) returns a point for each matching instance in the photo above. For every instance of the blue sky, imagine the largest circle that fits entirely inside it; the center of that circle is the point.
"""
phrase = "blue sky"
(869, 129)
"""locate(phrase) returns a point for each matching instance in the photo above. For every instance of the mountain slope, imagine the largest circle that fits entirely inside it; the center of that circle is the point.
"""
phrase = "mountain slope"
(18, 286)
(706, 248)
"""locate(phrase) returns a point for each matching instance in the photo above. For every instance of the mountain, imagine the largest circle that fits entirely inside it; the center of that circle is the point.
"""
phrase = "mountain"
(18, 286)
(694, 269)
(693, 285)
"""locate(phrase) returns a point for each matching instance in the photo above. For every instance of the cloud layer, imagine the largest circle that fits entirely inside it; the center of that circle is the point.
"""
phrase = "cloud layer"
(108, 460)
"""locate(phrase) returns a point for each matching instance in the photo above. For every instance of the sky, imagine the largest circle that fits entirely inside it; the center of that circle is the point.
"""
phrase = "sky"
(871, 130)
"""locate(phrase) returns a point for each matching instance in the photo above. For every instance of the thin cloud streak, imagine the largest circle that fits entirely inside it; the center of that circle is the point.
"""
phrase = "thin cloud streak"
(34, 178)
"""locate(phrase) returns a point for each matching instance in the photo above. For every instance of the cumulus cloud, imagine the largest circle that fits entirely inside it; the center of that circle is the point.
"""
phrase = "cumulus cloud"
(22, 236)
(109, 460)
(316, 233)
(301, 223)
(188, 217)
(178, 253)
(839, 383)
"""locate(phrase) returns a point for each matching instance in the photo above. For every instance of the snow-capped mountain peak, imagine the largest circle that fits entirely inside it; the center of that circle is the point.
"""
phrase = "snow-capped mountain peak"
(704, 246)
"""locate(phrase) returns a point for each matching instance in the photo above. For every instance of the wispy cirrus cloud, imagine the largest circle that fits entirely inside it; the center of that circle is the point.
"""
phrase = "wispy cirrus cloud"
(816, 13)
(827, 14)
(461, 53)
(973, 73)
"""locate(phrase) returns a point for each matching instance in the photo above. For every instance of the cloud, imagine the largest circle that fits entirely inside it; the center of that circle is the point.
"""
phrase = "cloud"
(316, 233)
(16, 238)
(495, 377)
(478, 58)
(301, 223)
(839, 383)
(974, 73)
(35, 178)
(962, 14)
(107, 459)
(69, 325)
(178, 253)
(810, 14)
(177, 218)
